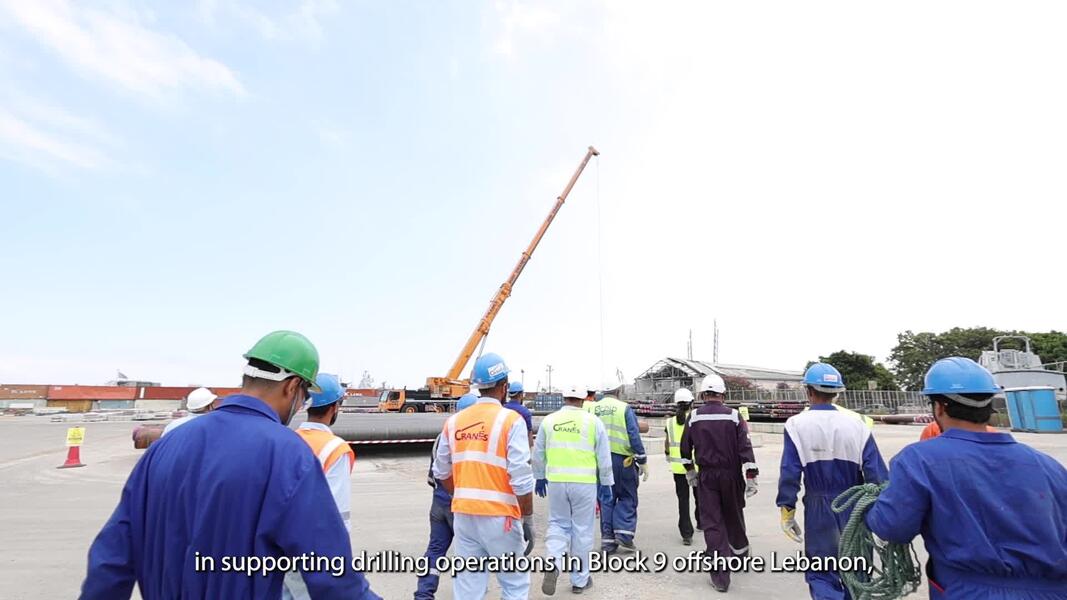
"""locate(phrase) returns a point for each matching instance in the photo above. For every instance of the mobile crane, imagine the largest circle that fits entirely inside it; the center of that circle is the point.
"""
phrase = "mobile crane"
(441, 393)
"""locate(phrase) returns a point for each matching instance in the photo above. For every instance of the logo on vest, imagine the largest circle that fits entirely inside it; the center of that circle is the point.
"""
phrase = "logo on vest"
(567, 427)
(601, 411)
(467, 434)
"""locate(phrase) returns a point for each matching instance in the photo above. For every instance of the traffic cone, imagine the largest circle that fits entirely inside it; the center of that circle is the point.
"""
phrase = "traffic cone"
(74, 458)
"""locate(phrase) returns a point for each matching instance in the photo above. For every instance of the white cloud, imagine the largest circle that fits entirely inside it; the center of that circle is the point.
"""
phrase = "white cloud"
(301, 23)
(120, 48)
(34, 144)
(515, 19)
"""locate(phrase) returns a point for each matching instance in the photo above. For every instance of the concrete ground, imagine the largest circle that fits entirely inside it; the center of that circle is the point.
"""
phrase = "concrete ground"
(49, 517)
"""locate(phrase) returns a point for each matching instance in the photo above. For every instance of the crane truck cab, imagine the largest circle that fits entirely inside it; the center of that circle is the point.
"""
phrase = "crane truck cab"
(413, 401)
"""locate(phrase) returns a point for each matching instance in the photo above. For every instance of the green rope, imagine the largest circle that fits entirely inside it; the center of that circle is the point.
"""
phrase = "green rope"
(896, 573)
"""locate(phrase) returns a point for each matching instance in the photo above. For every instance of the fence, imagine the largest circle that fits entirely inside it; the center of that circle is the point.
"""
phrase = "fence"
(877, 402)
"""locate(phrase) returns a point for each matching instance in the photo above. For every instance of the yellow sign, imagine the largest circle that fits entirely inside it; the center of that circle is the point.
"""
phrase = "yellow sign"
(75, 436)
(744, 412)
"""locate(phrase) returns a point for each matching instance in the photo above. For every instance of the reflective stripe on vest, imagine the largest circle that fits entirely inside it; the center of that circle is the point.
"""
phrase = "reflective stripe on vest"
(570, 447)
(328, 448)
(612, 412)
(674, 445)
(477, 438)
(715, 417)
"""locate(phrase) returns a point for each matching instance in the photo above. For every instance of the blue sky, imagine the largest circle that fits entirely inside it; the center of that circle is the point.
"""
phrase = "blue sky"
(179, 178)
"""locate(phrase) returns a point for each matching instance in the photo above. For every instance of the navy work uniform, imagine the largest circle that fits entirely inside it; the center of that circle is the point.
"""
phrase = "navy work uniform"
(231, 483)
(992, 513)
(833, 451)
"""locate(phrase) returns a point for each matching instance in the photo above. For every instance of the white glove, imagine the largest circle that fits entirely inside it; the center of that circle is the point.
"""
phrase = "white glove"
(642, 469)
(751, 487)
(692, 478)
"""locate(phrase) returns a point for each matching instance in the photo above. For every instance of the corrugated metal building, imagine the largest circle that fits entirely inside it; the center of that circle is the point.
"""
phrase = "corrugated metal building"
(658, 383)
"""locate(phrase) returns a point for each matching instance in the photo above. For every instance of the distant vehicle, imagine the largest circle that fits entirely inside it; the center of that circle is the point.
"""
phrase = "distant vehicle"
(413, 401)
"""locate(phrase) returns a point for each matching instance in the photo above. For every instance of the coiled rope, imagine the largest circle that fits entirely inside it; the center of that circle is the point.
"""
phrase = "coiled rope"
(896, 572)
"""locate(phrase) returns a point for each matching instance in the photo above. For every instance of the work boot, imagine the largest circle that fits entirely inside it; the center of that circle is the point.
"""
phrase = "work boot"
(548, 584)
(578, 590)
(723, 582)
(625, 546)
(687, 541)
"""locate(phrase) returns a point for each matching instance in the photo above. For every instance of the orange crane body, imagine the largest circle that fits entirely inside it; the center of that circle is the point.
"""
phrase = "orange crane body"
(452, 385)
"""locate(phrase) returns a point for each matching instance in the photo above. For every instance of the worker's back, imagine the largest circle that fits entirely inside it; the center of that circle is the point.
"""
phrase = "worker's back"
(829, 447)
(992, 506)
(232, 483)
(716, 437)
(612, 412)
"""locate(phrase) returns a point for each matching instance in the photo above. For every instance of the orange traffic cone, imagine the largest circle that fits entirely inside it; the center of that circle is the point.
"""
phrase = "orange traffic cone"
(74, 458)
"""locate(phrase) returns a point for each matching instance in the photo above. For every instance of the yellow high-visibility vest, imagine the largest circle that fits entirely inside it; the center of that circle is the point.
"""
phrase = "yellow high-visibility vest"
(612, 412)
(570, 447)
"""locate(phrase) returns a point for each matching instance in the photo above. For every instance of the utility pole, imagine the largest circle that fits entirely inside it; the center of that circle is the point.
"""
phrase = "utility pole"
(549, 370)
(689, 348)
(522, 381)
(715, 352)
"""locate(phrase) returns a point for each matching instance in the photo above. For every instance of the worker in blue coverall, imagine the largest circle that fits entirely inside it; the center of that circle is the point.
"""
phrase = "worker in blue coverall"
(618, 510)
(441, 532)
(832, 451)
(992, 512)
(232, 484)
(514, 403)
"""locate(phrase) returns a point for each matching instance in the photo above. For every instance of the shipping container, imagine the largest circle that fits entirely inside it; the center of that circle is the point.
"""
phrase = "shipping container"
(23, 392)
(164, 393)
(180, 392)
(113, 404)
(74, 406)
(33, 402)
(90, 392)
(158, 404)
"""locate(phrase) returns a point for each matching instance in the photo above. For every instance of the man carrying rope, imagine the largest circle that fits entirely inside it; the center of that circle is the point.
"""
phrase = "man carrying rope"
(834, 451)
(992, 512)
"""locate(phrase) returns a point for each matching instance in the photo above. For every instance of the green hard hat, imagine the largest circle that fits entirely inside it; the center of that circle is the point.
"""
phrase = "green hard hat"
(290, 351)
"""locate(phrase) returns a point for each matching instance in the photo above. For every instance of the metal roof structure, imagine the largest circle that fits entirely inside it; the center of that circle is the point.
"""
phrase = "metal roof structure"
(699, 368)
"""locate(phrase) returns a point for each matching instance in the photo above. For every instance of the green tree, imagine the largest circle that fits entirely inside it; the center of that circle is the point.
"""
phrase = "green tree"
(915, 352)
(858, 369)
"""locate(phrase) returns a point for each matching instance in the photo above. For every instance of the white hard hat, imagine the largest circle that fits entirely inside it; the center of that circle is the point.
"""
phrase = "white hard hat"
(713, 383)
(574, 391)
(199, 398)
(682, 395)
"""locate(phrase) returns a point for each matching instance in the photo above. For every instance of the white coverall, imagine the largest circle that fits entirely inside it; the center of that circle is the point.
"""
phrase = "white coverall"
(478, 535)
(572, 506)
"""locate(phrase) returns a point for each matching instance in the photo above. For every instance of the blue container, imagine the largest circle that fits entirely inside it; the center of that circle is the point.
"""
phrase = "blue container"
(1034, 409)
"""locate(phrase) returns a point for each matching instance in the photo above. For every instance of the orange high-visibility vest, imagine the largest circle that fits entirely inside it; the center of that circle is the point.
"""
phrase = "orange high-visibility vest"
(328, 448)
(478, 439)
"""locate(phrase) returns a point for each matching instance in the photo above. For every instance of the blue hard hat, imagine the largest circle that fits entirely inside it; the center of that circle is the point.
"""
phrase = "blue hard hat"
(331, 390)
(466, 400)
(824, 378)
(489, 369)
(959, 375)
(515, 388)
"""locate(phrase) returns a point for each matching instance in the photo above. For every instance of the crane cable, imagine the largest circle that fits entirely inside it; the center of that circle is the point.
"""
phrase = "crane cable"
(600, 270)
(897, 573)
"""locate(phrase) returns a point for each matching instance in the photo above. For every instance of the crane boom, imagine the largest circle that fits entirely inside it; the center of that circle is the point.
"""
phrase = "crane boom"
(452, 385)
